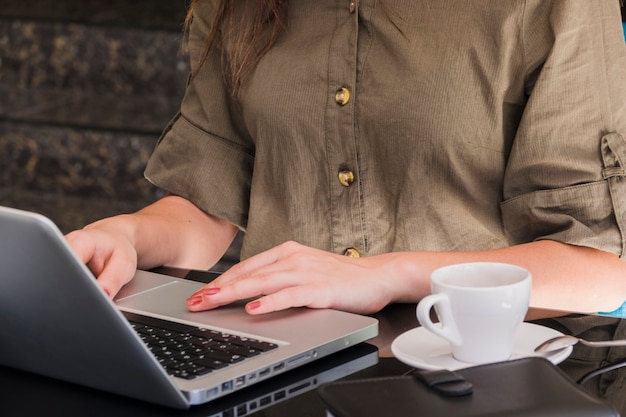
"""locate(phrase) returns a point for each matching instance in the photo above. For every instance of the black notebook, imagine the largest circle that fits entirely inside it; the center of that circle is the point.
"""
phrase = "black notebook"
(529, 387)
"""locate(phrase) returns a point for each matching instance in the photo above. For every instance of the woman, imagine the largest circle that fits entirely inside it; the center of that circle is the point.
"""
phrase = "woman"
(407, 135)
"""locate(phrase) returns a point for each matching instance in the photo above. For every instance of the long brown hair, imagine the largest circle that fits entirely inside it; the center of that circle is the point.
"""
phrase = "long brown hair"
(247, 29)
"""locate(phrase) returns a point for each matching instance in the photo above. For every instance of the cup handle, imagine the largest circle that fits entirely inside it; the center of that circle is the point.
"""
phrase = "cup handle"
(447, 328)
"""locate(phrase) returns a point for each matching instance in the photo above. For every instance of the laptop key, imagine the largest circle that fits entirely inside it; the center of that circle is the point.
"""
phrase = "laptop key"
(262, 346)
(204, 333)
(200, 370)
(223, 356)
(244, 351)
(162, 324)
(211, 363)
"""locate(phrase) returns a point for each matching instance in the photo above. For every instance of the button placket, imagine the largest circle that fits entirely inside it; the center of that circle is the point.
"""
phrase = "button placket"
(345, 221)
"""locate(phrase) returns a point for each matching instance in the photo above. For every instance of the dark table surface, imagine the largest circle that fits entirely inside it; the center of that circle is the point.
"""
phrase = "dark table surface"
(291, 394)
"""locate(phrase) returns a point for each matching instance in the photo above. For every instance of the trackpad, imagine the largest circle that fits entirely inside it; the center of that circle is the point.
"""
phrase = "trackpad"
(168, 301)
(144, 281)
(157, 299)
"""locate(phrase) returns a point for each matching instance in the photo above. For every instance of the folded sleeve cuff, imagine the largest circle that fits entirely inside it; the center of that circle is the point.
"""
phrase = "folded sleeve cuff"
(211, 172)
(591, 214)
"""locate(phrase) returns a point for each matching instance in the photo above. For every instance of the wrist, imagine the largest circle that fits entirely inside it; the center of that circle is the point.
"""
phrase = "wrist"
(123, 225)
(408, 276)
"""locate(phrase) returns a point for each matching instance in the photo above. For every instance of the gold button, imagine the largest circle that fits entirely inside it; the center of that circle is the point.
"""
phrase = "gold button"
(342, 97)
(352, 6)
(352, 253)
(346, 178)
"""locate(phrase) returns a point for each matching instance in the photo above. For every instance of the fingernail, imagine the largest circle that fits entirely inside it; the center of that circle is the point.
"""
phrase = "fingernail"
(192, 301)
(253, 305)
(210, 291)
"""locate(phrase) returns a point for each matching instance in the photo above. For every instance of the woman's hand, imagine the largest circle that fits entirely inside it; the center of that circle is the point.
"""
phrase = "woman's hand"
(109, 255)
(171, 231)
(293, 275)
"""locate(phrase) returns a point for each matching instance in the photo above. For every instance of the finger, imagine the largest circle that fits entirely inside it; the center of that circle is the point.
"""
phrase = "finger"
(252, 265)
(347, 296)
(81, 245)
(210, 297)
(257, 269)
(118, 270)
(301, 296)
(112, 268)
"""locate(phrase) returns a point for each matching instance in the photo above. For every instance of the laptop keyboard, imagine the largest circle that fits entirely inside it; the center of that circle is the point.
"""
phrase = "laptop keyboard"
(188, 351)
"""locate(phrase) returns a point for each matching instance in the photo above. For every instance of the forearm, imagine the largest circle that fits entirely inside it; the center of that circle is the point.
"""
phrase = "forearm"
(565, 277)
(172, 231)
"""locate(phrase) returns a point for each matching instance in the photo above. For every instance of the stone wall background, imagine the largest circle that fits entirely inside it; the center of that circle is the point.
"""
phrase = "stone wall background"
(86, 86)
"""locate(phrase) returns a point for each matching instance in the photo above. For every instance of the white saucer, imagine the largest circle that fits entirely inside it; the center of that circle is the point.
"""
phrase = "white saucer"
(422, 349)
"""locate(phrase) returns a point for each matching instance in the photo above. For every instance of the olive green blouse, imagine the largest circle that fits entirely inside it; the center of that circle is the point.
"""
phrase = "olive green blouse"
(381, 126)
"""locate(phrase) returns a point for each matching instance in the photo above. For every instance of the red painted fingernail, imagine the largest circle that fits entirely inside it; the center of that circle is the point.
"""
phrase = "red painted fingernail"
(192, 301)
(210, 291)
(253, 305)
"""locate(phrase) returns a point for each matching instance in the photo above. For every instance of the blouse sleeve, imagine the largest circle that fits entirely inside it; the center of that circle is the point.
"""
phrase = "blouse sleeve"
(565, 177)
(204, 154)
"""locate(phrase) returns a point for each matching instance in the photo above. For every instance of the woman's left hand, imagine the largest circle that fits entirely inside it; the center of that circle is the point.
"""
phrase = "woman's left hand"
(293, 275)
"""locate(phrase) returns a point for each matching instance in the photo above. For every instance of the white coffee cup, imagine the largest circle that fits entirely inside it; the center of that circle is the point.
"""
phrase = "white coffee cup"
(480, 306)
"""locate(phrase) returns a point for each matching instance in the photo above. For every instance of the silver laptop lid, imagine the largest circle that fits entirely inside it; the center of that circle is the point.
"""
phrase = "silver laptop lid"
(55, 322)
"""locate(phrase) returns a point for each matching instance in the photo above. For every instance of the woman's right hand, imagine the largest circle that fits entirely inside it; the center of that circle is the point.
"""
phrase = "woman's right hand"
(171, 231)
(108, 253)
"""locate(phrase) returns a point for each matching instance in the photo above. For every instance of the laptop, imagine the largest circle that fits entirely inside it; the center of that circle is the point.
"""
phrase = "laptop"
(56, 321)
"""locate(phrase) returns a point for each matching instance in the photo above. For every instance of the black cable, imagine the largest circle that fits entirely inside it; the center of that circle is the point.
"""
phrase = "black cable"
(600, 371)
